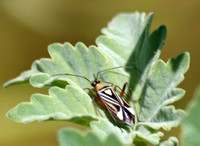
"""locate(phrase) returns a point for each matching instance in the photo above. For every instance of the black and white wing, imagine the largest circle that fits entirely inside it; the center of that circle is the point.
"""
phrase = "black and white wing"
(117, 107)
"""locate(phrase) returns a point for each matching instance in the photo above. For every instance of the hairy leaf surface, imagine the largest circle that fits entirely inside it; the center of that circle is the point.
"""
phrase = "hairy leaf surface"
(68, 137)
(159, 91)
(70, 104)
(171, 141)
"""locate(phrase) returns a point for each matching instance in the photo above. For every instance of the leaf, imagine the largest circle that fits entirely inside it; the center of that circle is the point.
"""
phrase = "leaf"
(127, 41)
(64, 59)
(104, 128)
(68, 137)
(103, 131)
(78, 60)
(123, 34)
(70, 104)
(146, 134)
(191, 123)
(172, 141)
(159, 91)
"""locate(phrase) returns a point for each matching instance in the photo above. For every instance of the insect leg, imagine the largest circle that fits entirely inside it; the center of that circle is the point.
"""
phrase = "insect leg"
(93, 92)
(126, 84)
(122, 91)
(115, 120)
(94, 100)
(97, 100)
(100, 102)
(95, 106)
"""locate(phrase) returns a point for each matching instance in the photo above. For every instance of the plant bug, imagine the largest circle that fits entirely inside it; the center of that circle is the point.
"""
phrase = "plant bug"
(108, 98)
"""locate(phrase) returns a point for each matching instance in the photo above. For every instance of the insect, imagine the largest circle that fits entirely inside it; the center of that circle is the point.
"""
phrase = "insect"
(108, 98)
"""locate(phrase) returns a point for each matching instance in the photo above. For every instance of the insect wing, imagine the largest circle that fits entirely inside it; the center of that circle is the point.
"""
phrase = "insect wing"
(117, 107)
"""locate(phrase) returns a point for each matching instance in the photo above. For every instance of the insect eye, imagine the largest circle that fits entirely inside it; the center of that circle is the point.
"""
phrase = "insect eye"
(93, 84)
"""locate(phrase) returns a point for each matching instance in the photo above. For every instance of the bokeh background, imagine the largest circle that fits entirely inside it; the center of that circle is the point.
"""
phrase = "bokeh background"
(27, 27)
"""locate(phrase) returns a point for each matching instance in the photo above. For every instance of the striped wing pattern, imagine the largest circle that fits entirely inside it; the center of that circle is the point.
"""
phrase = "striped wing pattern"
(117, 107)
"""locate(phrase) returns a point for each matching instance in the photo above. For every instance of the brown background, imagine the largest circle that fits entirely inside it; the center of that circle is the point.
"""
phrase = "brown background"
(27, 27)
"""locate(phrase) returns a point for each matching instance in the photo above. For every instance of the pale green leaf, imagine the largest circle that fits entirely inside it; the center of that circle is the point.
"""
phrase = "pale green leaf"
(73, 137)
(78, 60)
(125, 35)
(70, 104)
(159, 91)
(171, 141)
(104, 128)
(146, 134)
(191, 123)
(65, 59)
(128, 42)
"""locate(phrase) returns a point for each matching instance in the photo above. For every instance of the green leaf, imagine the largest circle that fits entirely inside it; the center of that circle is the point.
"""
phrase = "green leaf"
(172, 141)
(128, 42)
(159, 91)
(124, 35)
(146, 134)
(103, 131)
(70, 104)
(69, 137)
(191, 123)
(65, 59)
(104, 128)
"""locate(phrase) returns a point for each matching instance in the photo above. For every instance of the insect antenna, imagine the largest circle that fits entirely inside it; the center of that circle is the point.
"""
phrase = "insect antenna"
(75, 76)
(116, 68)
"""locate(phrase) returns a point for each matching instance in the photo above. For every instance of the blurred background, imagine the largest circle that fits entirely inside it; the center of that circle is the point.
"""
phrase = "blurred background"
(27, 27)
